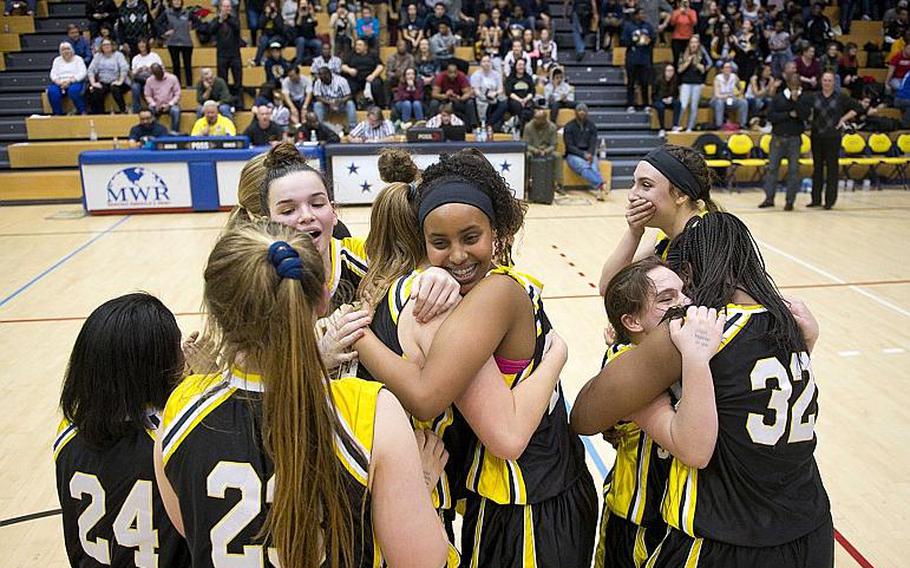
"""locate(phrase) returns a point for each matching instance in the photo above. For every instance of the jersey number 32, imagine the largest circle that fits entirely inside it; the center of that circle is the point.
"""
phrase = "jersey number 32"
(802, 427)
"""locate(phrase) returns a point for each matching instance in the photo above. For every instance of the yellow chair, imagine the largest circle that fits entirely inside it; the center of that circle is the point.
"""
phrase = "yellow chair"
(887, 153)
(853, 147)
(741, 149)
(713, 151)
(805, 149)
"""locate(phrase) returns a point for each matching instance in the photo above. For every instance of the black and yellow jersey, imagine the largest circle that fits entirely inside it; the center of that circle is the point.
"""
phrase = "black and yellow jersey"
(450, 426)
(554, 457)
(112, 511)
(762, 486)
(349, 266)
(224, 480)
(662, 246)
(635, 486)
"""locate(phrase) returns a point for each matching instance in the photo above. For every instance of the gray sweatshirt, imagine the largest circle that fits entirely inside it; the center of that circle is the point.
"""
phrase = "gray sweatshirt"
(110, 68)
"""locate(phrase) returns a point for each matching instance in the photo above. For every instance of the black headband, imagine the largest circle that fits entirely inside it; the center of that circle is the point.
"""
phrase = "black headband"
(675, 171)
(455, 192)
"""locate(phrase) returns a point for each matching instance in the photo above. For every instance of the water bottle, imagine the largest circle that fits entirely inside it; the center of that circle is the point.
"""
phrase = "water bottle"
(313, 137)
(867, 184)
(602, 150)
(483, 131)
(116, 143)
(806, 186)
(92, 133)
(516, 133)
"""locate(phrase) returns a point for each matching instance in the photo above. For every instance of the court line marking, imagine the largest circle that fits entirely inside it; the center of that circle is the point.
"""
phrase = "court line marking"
(62, 261)
(30, 517)
(874, 297)
(851, 550)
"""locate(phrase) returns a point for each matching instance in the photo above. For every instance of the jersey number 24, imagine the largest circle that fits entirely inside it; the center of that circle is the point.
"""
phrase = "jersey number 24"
(802, 427)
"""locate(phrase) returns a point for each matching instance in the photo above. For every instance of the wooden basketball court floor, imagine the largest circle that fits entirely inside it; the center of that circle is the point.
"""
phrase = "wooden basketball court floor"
(850, 265)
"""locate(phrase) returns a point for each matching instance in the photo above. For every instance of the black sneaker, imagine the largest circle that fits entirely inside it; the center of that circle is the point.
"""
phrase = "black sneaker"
(828, 207)
(814, 204)
(765, 204)
(788, 207)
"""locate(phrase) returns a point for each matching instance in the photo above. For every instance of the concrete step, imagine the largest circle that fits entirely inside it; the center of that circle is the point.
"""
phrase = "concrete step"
(13, 126)
(12, 81)
(30, 60)
(49, 40)
(58, 24)
(68, 9)
(601, 96)
(20, 104)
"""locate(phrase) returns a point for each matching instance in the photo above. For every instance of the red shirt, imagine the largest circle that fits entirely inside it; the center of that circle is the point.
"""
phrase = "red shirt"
(901, 65)
(683, 23)
(456, 85)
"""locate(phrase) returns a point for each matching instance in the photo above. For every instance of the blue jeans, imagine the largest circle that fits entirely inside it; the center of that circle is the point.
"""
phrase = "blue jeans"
(303, 44)
(407, 109)
(55, 96)
(252, 19)
(137, 88)
(783, 147)
(778, 60)
(689, 96)
(661, 106)
(588, 170)
(720, 106)
(578, 34)
(322, 110)
(264, 41)
(174, 113)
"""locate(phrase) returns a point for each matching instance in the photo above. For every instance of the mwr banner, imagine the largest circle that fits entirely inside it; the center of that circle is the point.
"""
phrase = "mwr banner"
(132, 186)
(355, 172)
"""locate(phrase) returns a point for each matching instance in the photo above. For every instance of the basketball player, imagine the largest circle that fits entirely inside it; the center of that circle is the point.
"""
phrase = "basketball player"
(272, 461)
(540, 507)
(124, 364)
(760, 501)
(671, 185)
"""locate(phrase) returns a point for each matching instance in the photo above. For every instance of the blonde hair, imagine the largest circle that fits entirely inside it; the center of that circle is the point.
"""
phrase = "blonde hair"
(268, 322)
(248, 206)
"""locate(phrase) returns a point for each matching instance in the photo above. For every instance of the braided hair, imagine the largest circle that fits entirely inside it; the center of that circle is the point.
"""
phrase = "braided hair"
(715, 256)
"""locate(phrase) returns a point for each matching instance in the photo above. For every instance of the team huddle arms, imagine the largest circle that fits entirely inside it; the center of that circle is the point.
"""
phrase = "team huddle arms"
(349, 398)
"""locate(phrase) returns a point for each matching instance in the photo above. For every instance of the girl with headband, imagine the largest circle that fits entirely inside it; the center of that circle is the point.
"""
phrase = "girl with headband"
(504, 419)
(540, 507)
(671, 185)
(759, 500)
(268, 461)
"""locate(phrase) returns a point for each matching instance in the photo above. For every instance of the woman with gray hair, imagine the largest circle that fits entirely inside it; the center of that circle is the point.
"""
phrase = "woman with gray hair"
(67, 80)
(107, 73)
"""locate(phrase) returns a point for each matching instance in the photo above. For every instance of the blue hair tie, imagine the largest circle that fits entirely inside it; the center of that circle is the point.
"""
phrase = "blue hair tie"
(286, 261)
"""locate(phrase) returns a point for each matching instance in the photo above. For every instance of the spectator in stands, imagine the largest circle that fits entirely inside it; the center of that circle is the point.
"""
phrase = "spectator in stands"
(134, 22)
(306, 37)
(397, 63)
(409, 97)
(289, 11)
(284, 113)
(312, 130)
(491, 35)
(529, 46)
(808, 67)
(546, 47)
(162, 95)
(818, 27)
(410, 28)
(341, 29)
(683, 19)
(723, 45)
(333, 95)
(747, 51)
(81, 46)
(779, 45)
(426, 65)
(539, 13)
(326, 59)
(253, 15)
(226, 31)
(830, 112)
(583, 11)
(376, 128)
(692, 68)
(464, 25)
(148, 128)
(445, 117)
(666, 97)
(518, 22)
(100, 13)
(271, 30)
(520, 91)
(516, 53)
(830, 61)
(212, 122)
(902, 101)
(363, 70)
(540, 136)
(103, 34)
(787, 115)
(67, 80)
(638, 36)
(263, 131)
(107, 73)
(897, 27)
(558, 93)
(611, 18)
(175, 25)
(897, 69)
(452, 86)
(367, 27)
(656, 12)
(580, 137)
(728, 95)
(432, 21)
(761, 90)
(848, 69)
(141, 70)
(443, 44)
(489, 93)
(212, 88)
(276, 66)
(298, 88)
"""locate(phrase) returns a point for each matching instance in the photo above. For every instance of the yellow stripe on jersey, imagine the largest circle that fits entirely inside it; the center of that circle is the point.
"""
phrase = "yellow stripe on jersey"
(644, 462)
(662, 244)
(678, 508)
(400, 293)
(478, 534)
(640, 549)
(694, 553)
(529, 548)
(347, 253)
(194, 399)
(355, 403)
(737, 318)
(65, 434)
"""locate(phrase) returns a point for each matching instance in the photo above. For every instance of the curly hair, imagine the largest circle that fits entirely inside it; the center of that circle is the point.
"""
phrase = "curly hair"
(695, 163)
(471, 166)
(396, 165)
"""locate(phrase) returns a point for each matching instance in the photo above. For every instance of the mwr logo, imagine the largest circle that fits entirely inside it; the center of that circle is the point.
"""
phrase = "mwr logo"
(137, 186)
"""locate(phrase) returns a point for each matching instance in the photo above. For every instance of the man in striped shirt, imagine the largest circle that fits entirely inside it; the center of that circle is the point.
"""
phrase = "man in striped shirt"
(376, 128)
(333, 95)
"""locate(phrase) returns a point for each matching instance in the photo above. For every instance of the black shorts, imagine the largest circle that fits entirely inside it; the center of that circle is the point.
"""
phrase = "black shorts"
(814, 550)
(558, 532)
(623, 544)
